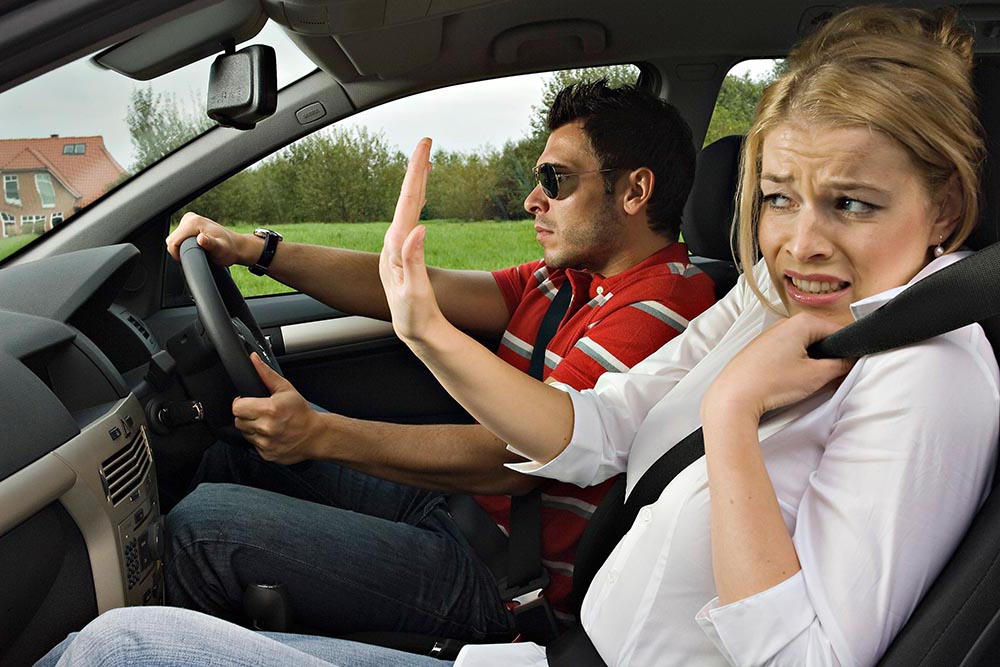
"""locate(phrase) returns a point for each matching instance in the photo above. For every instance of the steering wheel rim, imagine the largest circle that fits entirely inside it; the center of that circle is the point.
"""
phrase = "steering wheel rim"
(224, 312)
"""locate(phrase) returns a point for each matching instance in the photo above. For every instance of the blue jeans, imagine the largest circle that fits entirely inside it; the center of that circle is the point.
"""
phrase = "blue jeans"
(167, 637)
(356, 553)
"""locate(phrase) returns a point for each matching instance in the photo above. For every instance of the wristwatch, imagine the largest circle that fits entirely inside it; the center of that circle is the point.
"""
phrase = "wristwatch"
(271, 239)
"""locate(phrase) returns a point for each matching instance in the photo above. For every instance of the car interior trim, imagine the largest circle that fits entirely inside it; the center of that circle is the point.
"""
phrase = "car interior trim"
(310, 336)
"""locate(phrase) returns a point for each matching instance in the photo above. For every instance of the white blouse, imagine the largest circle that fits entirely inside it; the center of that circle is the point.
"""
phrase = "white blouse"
(877, 481)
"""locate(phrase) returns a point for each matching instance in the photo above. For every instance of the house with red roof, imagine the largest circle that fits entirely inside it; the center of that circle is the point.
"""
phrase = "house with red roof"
(47, 180)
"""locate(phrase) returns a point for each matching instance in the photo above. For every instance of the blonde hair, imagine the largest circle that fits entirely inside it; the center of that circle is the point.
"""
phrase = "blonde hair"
(903, 72)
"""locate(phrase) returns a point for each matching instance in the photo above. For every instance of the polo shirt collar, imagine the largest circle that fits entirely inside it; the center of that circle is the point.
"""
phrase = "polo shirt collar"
(597, 284)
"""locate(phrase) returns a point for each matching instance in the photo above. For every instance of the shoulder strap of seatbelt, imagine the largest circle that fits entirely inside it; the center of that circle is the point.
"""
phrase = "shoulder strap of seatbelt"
(965, 292)
(526, 575)
(548, 326)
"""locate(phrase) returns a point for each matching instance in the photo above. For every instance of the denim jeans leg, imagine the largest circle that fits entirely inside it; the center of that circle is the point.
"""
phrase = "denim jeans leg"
(166, 637)
(316, 481)
(404, 567)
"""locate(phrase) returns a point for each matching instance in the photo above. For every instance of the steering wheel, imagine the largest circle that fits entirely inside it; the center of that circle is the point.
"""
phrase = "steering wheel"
(227, 319)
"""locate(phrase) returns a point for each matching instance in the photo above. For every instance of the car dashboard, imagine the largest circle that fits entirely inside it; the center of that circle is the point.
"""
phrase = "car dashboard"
(77, 478)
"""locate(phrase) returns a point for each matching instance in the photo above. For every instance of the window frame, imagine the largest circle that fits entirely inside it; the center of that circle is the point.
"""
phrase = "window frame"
(33, 219)
(6, 219)
(16, 199)
(41, 195)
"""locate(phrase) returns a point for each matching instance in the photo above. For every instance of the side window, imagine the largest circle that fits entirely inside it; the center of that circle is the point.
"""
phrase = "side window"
(338, 186)
(738, 97)
(47, 194)
(6, 224)
(11, 191)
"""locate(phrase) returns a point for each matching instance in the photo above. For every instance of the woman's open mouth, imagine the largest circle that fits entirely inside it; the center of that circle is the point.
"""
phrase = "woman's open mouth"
(815, 290)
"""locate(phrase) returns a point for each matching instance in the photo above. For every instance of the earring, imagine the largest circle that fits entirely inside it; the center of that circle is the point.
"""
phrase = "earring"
(939, 250)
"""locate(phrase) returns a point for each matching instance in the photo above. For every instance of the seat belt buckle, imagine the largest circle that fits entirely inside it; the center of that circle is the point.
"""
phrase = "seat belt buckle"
(526, 599)
(533, 613)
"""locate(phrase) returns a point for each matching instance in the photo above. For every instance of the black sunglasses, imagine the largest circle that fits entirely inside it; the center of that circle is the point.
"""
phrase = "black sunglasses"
(549, 179)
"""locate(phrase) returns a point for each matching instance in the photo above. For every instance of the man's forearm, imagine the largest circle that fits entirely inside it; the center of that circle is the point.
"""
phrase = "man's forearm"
(343, 279)
(348, 280)
(453, 458)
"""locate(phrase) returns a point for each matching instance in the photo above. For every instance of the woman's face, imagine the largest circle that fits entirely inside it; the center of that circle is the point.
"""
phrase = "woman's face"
(844, 215)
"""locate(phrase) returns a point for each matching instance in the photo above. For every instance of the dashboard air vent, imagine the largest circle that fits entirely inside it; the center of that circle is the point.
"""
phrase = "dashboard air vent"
(123, 472)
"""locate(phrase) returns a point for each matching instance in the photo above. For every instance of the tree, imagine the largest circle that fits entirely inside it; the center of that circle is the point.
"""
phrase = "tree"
(349, 175)
(462, 186)
(737, 103)
(158, 123)
(331, 176)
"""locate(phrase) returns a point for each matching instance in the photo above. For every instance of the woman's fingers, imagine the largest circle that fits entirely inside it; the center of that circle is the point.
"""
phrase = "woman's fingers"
(414, 267)
(412, 195)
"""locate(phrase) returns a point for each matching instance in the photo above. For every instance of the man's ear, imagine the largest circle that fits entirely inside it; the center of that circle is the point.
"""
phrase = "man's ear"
(949, 210)
(638, 189)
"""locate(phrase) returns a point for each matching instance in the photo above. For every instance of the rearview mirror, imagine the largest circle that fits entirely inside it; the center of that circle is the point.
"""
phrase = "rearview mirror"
(243, 87)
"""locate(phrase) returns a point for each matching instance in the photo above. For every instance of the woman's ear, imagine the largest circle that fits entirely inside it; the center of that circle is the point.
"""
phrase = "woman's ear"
(639, 188)
(949, 208)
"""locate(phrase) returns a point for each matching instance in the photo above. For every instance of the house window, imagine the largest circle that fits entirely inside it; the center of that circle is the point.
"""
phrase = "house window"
(6, 223)
(11, 193)
(43, 182)
(74, 149)
(36, 222)
(56, 218)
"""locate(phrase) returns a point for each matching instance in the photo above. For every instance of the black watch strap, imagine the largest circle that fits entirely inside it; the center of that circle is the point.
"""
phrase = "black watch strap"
(271, 240)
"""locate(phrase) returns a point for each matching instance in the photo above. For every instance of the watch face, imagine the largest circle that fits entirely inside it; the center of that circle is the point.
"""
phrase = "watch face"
(264, 233)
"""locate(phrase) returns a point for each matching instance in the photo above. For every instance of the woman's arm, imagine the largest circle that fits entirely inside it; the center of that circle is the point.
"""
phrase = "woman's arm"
(905, 464)
(751, 547)
(535, 418)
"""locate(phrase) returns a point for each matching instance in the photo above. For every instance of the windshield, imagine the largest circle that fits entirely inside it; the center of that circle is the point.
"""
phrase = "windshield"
(73, 134)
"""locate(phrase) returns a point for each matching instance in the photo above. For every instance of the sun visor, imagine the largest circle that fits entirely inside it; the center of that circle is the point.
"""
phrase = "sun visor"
(182, 41)
(361, 28)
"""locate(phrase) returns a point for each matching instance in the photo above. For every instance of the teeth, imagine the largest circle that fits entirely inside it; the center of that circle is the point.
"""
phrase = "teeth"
(815, 287)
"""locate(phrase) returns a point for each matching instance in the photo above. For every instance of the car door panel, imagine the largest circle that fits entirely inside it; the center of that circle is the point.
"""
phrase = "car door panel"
(346, 364)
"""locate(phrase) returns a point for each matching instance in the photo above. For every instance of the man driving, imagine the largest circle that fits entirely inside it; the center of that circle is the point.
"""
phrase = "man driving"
(361, 534)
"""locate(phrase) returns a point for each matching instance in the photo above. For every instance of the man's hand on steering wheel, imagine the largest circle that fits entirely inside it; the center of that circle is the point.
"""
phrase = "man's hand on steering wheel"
(281, 426)
(223, 247)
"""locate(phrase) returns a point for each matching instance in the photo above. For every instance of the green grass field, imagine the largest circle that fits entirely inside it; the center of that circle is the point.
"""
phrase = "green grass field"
(12, 243)
(450, 244)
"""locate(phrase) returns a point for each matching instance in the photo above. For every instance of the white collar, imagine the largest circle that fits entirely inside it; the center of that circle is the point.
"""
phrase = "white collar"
(872, 303)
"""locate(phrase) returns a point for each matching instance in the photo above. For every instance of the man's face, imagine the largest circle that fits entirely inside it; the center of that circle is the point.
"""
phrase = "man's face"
(582, 228)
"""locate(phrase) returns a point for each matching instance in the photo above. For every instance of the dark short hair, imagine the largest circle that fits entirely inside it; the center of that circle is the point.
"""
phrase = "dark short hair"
(629, 128)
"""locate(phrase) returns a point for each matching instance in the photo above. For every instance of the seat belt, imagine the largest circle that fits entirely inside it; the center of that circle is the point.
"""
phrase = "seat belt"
(963, 293)
(522, 588)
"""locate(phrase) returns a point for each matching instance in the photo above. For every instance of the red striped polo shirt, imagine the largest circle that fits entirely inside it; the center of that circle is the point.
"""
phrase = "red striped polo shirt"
(612, 324)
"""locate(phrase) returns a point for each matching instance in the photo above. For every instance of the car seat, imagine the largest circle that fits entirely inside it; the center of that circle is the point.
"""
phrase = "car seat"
(958, 621)
(706, 225)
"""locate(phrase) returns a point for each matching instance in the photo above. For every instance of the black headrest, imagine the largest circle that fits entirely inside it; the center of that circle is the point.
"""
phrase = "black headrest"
(708, 213)
(986, 80)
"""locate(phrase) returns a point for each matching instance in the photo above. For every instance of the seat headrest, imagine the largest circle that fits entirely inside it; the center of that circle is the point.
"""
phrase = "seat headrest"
(986, 77)
(708, 213)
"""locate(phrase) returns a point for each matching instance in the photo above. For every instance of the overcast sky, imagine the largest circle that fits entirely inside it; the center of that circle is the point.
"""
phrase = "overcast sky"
(82, 99)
